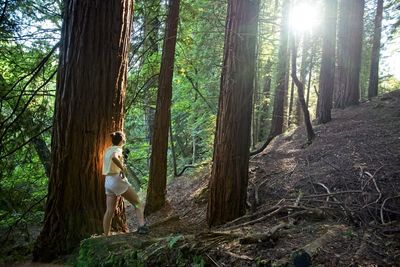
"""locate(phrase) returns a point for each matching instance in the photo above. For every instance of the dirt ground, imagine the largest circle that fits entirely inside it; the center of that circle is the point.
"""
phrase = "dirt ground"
(338, 197)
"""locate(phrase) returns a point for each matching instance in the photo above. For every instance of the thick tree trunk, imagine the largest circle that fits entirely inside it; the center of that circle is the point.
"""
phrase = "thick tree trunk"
(300, 92)
(376, 45)
(89, 105)
(229, 176)
(347, 91)
(158, 162)
(327, 72)
(281, 89)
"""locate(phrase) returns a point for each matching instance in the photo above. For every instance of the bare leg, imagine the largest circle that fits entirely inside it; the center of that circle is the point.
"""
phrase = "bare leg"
(111, 206)
(133, 198)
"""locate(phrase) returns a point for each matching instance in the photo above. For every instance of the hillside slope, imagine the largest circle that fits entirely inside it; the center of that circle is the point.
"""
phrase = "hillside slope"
(337, 200)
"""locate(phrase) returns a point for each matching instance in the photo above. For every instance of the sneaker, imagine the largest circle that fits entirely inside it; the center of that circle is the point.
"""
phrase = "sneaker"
(144, 229)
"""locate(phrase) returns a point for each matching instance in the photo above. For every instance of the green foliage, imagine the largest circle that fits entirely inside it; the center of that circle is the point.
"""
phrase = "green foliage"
(136, 251)
(173, 239)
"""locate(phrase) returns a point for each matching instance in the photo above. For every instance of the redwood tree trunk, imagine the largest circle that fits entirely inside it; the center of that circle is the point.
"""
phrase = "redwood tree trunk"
(89, 105)
(229, 177)
(374, 72)
(347, 91)
(281, 89)
(327, 73)
(158, 161)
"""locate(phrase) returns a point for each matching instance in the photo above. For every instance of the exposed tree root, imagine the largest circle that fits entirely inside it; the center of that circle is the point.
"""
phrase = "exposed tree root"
(304, 255)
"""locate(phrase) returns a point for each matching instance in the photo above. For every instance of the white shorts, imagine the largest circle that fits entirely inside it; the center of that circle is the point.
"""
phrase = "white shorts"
(115, 185)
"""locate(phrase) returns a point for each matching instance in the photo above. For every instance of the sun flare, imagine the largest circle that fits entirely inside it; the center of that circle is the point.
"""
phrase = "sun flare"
(304, 17)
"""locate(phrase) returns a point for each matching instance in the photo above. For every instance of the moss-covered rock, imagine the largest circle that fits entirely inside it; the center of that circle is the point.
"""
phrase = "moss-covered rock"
(134, 250)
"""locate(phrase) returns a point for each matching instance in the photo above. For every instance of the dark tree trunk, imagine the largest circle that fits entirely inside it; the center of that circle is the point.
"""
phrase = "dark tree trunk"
(229, 176)
(376, 45)
(300, 92)
(327, 72)
(281, 89)
(347, 91)
(89, 105)
(158, 161)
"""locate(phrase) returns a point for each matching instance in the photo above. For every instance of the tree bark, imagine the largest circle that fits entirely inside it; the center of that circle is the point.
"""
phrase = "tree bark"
(347, 91)
(90, 95)
(376, 45)
(229, 176)
(158, 161)
(281, 89)
(327, 72)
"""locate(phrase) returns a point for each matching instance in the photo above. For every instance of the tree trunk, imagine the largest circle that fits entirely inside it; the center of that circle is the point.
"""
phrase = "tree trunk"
(347, 91)
(229, 176)
(158, 161)
(306, 65)
(327, 72)
(43, 152)
(171, 139)
(291, 100)
(90, 95)
(300, 92)
(281, 89)
(151, 29)
(376, 45)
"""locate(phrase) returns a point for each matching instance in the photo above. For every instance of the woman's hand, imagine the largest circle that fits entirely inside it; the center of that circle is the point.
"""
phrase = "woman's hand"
(124, 172)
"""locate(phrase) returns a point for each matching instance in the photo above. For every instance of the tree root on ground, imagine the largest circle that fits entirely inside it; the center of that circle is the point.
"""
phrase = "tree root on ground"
(304, 255)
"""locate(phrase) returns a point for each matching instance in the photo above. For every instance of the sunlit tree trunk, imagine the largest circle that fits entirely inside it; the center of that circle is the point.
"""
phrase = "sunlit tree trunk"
(89, 105)
(158, 162)
(376, 45)
(229, 176)
(327, 72)
(347, 91)
(282, 71)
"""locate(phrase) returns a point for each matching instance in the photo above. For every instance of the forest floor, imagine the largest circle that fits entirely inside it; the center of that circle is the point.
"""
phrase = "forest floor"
(338, 199)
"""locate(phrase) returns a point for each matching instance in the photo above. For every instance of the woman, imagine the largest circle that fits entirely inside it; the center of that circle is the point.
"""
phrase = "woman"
(117, 185)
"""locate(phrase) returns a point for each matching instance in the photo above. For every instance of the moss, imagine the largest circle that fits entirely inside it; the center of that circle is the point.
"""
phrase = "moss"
(130, 250)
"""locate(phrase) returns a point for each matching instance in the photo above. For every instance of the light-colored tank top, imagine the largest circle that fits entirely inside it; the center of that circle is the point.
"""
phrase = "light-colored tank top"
(108, 165)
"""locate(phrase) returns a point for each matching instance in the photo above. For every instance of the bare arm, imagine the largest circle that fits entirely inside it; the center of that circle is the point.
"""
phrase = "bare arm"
(118, 162)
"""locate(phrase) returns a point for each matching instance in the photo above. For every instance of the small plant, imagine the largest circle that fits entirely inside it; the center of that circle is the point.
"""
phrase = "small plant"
(172, 240)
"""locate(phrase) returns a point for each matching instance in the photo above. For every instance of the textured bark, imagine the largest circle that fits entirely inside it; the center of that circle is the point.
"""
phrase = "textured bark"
(89, 105)
(281, 89)
(347, 91)
(327, 72)
(229, 176)
(376, 45)
(158, 161)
